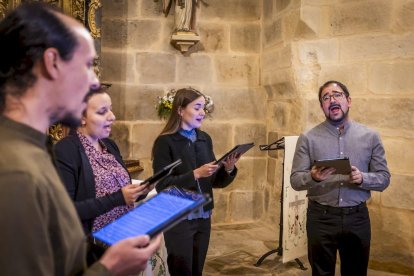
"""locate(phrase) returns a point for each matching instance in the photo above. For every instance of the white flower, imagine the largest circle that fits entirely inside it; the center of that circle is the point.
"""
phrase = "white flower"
(165, 102)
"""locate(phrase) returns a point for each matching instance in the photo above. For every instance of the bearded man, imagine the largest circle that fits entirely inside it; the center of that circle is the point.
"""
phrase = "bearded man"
(337, 216)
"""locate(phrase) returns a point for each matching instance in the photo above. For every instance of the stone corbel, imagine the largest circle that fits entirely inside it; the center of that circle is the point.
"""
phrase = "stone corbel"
(183, 41)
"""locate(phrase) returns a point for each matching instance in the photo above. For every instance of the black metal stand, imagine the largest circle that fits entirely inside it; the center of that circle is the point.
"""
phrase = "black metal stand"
(278, 145)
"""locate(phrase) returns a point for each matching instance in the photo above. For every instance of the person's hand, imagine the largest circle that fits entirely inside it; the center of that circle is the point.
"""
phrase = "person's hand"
(132, 191)
(321, 173)
(130, 256)
(355, 176)
(230, 161)
(206, 170)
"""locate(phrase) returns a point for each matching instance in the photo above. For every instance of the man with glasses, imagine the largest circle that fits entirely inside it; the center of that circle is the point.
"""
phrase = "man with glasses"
(337, 217)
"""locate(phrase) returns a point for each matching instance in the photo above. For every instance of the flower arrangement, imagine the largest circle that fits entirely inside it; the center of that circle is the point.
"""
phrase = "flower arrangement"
(164, 105)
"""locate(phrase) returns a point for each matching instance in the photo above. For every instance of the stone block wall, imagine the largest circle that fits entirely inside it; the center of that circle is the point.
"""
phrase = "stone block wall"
(139, 61)
(262, 61)
(368, 45)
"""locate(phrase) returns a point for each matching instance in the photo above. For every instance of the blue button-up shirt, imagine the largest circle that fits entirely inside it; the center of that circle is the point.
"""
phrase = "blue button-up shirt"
(360, 144)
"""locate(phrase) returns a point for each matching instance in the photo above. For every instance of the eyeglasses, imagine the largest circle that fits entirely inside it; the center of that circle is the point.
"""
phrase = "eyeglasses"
(336, 95)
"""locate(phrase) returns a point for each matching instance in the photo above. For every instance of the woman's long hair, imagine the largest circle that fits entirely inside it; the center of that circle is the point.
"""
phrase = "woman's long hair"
(182, 98)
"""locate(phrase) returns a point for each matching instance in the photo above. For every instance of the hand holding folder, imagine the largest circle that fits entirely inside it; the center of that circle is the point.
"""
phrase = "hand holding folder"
(341, 165)
(238, 150)
(151, 217)
(154, 179)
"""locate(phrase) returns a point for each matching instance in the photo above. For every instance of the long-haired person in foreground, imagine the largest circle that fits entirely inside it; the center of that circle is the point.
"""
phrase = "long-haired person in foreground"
(181, 138)
(46, 69)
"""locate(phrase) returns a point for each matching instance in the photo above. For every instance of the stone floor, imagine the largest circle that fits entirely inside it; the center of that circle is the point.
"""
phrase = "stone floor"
(235, 249)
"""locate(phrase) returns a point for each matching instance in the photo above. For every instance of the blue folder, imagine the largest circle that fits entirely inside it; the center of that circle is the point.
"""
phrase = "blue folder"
(151, 217)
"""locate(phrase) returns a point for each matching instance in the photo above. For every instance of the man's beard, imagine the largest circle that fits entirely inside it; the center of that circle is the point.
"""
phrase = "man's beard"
(340, 120)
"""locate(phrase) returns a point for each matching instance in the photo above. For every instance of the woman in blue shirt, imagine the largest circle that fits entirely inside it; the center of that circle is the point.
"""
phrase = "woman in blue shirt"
(181, 138)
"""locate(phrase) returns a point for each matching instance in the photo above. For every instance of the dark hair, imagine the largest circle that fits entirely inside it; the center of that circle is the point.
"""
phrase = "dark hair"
(25, 34)
(182, 98)
(326, 84)
(103, 88)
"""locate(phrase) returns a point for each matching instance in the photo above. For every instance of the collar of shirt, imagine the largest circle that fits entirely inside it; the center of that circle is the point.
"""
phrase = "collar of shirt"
(336, 129)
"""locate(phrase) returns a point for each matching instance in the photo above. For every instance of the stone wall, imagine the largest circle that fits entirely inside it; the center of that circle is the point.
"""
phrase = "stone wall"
(368, 45)
(262, 61)
(139, 61)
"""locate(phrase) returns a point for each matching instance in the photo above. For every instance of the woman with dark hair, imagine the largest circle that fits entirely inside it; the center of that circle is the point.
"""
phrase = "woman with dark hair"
(187, 242)
(93, 172)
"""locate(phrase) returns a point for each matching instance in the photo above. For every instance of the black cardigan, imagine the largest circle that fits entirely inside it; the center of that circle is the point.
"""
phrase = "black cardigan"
(168, 148)
(77, 175)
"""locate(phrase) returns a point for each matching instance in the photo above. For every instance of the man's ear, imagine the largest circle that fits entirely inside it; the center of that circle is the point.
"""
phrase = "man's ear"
(349, 101)
(50, 59)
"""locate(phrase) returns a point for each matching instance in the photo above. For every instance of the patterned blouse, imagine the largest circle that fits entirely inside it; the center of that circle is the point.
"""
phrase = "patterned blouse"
(109, 177)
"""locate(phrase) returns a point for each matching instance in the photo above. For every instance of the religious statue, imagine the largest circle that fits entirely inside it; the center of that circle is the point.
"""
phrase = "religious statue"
(184, 35)
(184, 14)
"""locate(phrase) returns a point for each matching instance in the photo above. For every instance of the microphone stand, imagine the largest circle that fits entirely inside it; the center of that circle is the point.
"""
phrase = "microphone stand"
(278, 145)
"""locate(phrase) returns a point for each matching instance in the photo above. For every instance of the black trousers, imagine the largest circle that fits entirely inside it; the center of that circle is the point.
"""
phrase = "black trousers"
(187, 245)
(332, 229)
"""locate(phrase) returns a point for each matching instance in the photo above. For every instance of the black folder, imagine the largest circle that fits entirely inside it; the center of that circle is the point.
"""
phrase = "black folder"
(242, 148)
(153, 216)
(161, 174)
(341, 165)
